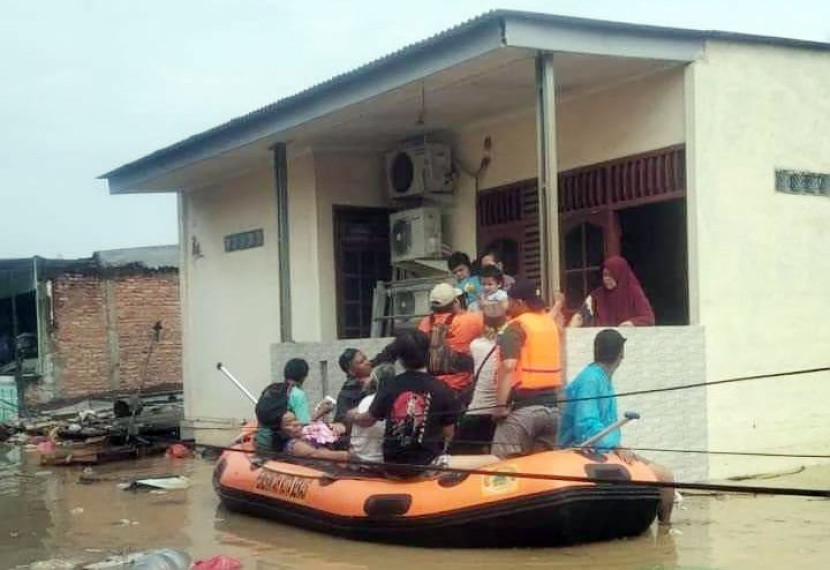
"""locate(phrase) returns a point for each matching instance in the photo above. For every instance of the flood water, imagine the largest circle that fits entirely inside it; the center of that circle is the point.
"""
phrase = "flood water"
(47, 516)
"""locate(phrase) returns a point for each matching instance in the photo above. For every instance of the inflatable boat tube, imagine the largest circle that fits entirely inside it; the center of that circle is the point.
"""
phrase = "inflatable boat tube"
(450, 509)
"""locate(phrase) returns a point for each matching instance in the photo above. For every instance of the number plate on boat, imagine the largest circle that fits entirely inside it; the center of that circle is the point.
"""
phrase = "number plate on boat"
(283, 485)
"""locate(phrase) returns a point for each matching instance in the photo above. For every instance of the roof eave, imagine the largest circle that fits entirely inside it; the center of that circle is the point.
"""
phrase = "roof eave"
(576, 35)
(465, 42)
(524, 30)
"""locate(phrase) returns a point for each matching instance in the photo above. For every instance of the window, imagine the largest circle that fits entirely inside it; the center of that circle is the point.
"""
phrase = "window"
(584, 253)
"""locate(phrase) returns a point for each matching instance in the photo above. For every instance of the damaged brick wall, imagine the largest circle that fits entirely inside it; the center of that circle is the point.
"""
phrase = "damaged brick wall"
(102, 329)
(141, 301)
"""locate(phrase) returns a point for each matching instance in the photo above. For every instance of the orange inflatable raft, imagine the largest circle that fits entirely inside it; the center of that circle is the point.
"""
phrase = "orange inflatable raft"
(450, 509)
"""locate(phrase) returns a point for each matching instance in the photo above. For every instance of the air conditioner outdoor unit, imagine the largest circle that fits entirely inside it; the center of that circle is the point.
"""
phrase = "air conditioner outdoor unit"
(415, 234)
(415, 170)
(409, 307)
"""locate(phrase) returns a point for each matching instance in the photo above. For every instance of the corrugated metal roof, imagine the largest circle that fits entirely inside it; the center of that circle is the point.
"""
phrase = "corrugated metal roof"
(157, 257)
(17, 276)
(286, 102)
(285, 105)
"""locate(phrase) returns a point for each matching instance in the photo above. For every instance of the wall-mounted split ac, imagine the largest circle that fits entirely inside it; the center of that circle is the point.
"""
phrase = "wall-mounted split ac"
(415, 234)
(419, 170)
(410, 306)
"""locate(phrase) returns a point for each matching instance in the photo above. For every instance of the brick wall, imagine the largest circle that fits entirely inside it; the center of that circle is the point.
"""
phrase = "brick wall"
(101, 332)
(80, 361)
(141, 300)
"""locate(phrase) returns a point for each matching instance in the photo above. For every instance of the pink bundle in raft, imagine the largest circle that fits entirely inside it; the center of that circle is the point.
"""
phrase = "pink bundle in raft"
(319, 433)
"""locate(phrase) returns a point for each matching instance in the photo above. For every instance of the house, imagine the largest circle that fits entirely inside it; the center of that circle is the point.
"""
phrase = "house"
(102, 325)
(702, 157)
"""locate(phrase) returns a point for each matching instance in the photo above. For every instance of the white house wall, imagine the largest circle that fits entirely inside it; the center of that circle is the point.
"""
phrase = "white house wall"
(304, 239)
(633, 117)
(231, 299)
(764, 268)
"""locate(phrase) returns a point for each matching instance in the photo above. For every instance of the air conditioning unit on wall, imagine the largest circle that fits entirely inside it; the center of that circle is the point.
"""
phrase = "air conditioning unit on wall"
(418, 170)
(410, 305)
(415, 234)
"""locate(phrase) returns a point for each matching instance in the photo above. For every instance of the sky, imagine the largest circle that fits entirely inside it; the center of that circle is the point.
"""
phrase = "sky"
(88, 85)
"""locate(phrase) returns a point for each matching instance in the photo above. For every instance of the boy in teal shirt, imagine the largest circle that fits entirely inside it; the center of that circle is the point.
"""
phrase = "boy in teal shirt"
(295, 373)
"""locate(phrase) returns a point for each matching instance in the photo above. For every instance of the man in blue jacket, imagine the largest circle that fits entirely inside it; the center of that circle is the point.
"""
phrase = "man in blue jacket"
(591, 406)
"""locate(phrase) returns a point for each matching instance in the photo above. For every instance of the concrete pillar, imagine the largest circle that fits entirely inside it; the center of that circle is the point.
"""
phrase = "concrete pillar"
(547, 174)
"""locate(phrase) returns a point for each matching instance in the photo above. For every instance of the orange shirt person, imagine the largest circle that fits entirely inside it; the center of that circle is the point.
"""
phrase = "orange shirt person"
(452, 328)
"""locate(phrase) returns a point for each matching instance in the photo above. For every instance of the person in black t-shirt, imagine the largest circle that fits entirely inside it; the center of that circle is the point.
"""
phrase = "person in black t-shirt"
(420, 411)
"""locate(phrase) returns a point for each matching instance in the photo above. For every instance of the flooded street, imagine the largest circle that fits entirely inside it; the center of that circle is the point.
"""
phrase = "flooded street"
(48, 516)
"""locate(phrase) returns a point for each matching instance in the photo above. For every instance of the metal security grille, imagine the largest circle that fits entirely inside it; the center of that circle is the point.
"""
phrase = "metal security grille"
(630, 181)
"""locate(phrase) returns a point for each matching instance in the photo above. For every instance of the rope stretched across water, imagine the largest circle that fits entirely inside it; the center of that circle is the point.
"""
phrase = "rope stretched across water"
(649, 449)
(675, 388)
(655, 391)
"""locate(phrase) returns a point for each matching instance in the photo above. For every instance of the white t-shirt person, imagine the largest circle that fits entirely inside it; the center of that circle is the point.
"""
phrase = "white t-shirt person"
(366, 443)
(486, 362)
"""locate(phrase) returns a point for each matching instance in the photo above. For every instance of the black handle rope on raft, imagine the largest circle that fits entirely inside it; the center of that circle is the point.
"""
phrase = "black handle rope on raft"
(720, 488)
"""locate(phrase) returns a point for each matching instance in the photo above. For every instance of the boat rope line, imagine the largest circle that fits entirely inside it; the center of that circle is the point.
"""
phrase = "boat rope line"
(677, 387)
(559, 447)
(715, 487)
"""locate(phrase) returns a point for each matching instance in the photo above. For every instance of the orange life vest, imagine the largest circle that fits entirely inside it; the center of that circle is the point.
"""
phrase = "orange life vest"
(540, 365)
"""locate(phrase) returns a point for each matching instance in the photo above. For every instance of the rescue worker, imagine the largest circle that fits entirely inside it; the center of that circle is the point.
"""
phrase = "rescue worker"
(530, 375)
(451, 329)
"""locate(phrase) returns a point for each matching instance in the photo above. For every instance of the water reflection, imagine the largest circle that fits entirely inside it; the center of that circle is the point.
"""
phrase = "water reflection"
(48, 514)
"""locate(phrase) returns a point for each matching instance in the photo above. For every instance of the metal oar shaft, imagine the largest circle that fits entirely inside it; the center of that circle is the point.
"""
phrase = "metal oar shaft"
(238, 384)
(615, 426)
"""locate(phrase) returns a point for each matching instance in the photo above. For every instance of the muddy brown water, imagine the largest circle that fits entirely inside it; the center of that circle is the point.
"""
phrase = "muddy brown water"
(49, 520)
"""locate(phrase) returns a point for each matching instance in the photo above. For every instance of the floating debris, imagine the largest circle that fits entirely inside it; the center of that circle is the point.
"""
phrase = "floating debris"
(162, 559)
(168, 483)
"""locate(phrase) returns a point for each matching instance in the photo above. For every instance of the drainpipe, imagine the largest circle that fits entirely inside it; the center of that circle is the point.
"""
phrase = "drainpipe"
(547, 174)
(281, 188)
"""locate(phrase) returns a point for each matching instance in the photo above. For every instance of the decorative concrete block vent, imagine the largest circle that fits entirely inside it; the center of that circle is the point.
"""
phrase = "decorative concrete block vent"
(657, 357)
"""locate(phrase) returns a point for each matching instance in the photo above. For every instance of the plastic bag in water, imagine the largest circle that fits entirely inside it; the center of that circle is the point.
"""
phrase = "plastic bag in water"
(163, 559)
(220, 562)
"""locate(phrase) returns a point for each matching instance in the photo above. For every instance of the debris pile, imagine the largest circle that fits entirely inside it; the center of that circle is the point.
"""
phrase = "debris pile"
(101, 432)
